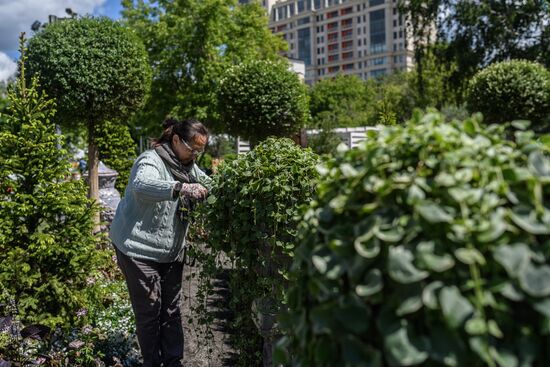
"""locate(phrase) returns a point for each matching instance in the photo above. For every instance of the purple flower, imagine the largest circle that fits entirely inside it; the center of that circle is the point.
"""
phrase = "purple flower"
(81, 312)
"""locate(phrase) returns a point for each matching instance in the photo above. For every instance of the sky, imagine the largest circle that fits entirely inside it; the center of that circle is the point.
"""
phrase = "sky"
(17, 16)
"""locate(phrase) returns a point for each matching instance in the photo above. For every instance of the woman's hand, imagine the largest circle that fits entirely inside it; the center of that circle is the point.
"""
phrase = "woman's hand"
(194, 191)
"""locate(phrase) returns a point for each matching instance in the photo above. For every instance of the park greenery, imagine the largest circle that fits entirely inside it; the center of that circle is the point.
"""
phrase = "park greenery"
(96, 69)
(426, 245)
(259, 99)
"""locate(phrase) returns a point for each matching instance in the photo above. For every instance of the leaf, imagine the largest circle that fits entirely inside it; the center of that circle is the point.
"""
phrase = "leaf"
(446, 347)
(529, 223)
(353, 314)
(513, 258)
(455, 307)
(373, 284)
(429, 297)
(411, 300)
(401, 268)
(432, 261)
(511, 292)
(36, 331)
(433, 213)
(535, 281)
(539, 164)
(521, 124)
(367, 245)
(392, 235)
(543, 307)
(476, 326)
(402, 350)
(469, 256)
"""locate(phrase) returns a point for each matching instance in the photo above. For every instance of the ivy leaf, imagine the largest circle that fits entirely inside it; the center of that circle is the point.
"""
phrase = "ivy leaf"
(372, 285)
(455, 307)
(403, 349)
(513, 258)
(401, 268)
(470, 256)
(433, 213)
(535, 281)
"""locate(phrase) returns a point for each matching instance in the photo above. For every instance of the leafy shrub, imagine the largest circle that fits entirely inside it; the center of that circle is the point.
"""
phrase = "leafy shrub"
(47, 250)
(251, 217)
(262, 98)
(511, 90)
(428, 245)
(117, 150)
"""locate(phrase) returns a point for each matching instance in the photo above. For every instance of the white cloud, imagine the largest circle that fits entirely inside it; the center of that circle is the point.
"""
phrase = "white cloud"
(8, 67)
(17, 16)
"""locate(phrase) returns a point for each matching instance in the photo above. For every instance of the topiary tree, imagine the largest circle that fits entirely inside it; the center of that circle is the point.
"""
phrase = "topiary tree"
(47, 251)
(251, 218)
(117, 150)
(511, 90)
(96, 69)
(428, 245)
(260, 99)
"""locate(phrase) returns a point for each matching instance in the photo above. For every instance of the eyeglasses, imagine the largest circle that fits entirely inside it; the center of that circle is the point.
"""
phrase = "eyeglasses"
(193, 151)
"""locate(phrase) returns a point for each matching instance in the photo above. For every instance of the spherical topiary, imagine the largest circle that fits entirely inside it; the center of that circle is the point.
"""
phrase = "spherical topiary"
(511, 90)
(428, 245)
(262, 98)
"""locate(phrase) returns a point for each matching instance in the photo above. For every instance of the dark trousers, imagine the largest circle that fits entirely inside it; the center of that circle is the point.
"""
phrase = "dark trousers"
(155, 293)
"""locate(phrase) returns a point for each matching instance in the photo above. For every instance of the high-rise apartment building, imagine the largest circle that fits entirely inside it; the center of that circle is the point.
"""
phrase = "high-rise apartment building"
(362, 37)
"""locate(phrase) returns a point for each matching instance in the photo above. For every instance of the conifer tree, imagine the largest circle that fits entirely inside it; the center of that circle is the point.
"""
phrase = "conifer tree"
(47, 251)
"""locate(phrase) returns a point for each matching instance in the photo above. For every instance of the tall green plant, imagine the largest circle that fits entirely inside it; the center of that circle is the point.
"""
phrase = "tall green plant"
(426, 246)
(251, 217)
(47, 251)
(261, 99)
(117, 150)
(97, 70)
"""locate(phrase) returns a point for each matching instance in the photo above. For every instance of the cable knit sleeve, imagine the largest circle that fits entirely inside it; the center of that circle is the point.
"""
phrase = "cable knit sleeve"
(148, 184)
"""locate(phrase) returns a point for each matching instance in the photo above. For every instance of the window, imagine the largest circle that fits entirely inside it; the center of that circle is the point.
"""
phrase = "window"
(291, 9)
(359, 42)
(332, 14)
(347, 45)
(347, 33)
(332, 47)
(347, 55)
(377, 61)
(394, 35)
(304, 45)
(332, 36)
(301, 5)
(333, 69)
(377, 31)
(346, 23)
(346, 10)
(333, 25)
(332, 58)
(347, 67)
(302, 21)
(359, 52)
(377, 73)
(317, 4)
(375, 2)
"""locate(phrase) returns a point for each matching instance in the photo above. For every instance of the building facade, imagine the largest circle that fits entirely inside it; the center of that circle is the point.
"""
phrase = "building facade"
(362, 37)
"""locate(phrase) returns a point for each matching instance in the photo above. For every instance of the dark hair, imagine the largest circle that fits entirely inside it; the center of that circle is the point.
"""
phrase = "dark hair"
(185, 129)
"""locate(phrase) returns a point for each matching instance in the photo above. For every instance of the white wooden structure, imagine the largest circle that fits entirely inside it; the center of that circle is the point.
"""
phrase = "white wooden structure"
(351, 136)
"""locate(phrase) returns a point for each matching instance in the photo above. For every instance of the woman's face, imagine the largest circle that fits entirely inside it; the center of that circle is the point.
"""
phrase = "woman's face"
(188, 151)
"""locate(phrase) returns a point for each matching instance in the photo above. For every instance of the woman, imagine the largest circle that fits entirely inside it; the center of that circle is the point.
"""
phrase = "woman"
(149, 231)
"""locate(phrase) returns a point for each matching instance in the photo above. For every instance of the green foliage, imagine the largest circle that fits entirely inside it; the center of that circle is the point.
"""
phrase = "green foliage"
(393, 100)
(428, 245)
(94, 67)
(191, 44)
(511, 90)
(346, 97)
(261, 99)
(117, 150)
(251, 217)
(47, 250)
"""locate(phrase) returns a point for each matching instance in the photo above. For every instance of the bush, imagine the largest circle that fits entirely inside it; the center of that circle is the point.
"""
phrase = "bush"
(511, 90)
(252, 218)
(47, 249)
(261, 99)
(117, 150)
(428, 245)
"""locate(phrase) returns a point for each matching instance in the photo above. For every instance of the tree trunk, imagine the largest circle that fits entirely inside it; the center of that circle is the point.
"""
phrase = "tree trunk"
(93, 177)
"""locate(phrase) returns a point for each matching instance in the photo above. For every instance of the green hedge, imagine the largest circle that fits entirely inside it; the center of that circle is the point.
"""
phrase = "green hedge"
(428, 245)
(511, 90)
(252, 218)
